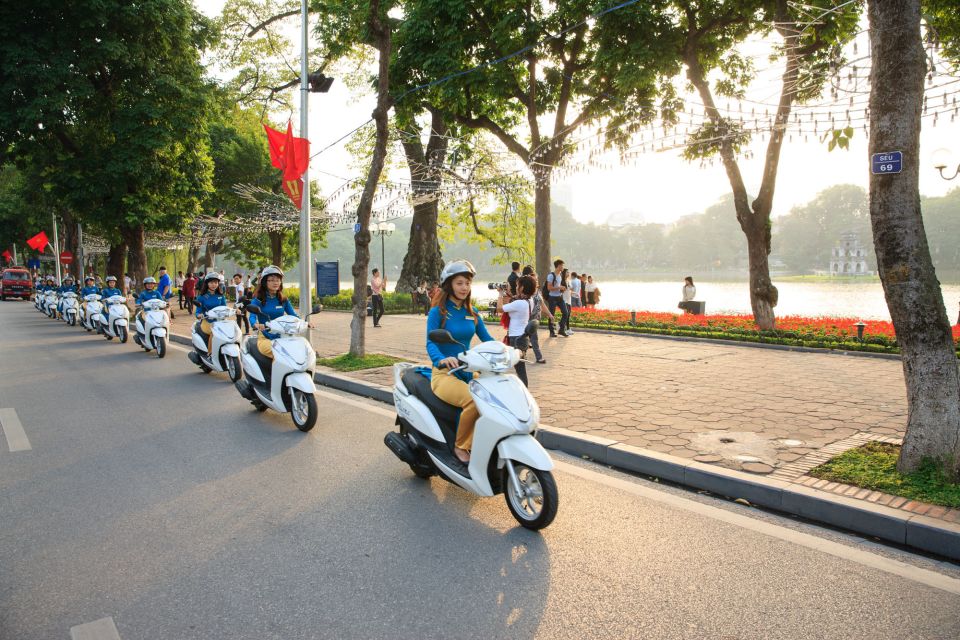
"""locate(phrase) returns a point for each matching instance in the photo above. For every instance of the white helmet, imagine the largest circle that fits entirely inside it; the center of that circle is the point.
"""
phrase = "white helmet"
(149, 280)
(213, 275)
(111, 278)
(456, 268)
(272, 270)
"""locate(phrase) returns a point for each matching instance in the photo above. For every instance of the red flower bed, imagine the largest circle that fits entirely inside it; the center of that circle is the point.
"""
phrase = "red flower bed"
(827, 332)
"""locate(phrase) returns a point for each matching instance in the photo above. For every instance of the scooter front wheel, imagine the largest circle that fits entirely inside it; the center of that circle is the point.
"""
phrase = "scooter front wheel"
(536, 506)
(161, 344)
(303, 409)
(122, 334)
(233, 367)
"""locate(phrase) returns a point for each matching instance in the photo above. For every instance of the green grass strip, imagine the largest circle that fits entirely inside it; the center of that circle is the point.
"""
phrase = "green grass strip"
(347, 362)
(874, 466)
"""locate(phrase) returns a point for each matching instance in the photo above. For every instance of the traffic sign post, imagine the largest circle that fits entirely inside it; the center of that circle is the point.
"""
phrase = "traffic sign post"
(886, 162)
(356, 228)
(66, 257)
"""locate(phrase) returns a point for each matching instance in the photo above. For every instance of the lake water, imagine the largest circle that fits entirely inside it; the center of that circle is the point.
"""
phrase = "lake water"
(840, 299)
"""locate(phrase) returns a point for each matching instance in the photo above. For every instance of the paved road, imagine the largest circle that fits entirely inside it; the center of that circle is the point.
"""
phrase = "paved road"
(154, 501)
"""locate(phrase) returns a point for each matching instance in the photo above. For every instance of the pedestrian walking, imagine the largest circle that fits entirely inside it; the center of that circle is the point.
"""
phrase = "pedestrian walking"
(554, 287)
(575, 289)
(165, 287)
(567, 302)
(533, 327)
(422, 297)
(377, 286)
(513, 277)
(127, 283)
(189, 291)
(178, 281)
(237, 293)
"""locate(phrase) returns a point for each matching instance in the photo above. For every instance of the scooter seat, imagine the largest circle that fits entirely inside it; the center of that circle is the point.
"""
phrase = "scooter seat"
(419, 385)
(266, 364)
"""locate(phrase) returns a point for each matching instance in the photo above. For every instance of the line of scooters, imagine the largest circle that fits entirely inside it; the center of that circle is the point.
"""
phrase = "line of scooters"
(505, 457)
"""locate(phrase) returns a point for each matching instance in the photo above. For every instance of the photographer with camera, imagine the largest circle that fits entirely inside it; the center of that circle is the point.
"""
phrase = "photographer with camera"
(520, 308)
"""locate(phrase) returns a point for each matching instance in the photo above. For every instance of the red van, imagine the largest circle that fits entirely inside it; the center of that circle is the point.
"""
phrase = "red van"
(15, 282)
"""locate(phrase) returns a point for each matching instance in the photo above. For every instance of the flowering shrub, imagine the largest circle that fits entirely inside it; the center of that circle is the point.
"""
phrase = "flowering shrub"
(822, 332)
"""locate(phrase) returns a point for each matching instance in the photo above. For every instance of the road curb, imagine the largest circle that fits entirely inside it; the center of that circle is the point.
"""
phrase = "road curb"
(865, 518)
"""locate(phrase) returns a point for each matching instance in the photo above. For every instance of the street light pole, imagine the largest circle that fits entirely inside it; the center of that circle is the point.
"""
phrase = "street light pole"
(305, 242)
(56, 247)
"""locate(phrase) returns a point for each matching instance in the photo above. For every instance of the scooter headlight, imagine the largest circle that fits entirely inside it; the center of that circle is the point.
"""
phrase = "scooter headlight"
(481, 392)
(498, 361)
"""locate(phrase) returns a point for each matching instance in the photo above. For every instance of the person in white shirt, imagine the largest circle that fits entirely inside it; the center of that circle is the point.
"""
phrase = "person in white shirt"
(689, 293)
(519, 307)
(575, 285)
(567, 302)
(590, 288)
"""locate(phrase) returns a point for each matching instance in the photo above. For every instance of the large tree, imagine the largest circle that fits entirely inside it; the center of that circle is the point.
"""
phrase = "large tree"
(712, 33)
(112, 95)
(532, 74)
(903, 256)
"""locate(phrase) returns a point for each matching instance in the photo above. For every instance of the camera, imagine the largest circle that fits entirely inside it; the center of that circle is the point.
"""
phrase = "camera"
(497, 286)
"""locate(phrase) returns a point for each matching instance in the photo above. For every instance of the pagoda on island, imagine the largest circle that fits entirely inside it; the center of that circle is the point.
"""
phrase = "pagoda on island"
(849, 257)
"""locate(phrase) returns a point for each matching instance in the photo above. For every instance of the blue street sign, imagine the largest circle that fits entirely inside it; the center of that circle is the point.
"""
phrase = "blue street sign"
(33, 263)
(887, 162)
(328, 278)
(356, 227)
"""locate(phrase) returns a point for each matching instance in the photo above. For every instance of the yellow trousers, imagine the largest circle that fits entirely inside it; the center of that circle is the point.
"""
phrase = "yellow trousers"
(265, 346)
(453, 390)
(207, 329)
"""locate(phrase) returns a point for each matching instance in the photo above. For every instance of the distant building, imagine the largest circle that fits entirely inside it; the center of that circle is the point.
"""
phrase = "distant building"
(849, 257)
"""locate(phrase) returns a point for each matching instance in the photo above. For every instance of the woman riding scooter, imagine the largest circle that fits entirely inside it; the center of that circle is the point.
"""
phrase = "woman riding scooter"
(454, 312)
(111, 288)
(66, 287)
(89, 287)
(269, 304)
(209, 299)
(149, 293)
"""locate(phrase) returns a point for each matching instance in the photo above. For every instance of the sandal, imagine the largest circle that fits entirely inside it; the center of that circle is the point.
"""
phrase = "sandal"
(541, 361)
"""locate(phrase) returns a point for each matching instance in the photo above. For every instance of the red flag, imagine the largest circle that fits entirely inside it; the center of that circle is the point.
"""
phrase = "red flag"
(38, 242)
(6, 254)
(277, 142)
(292, 156)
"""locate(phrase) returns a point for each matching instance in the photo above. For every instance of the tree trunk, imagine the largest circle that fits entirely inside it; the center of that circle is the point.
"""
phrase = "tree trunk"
(116, 259)
(210, 254)
(381, 34)
(541, 207)
(763, 295)
(276, 247)
(136, 253)
(193, 256)
(424, 260)
(903, 256)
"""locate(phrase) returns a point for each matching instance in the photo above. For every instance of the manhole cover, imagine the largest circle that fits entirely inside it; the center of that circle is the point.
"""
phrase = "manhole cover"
(727, 440)
(792, 443)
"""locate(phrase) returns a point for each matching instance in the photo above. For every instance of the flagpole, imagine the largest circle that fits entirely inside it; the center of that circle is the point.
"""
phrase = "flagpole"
(56, 247)
(15, 253)
(305, 242)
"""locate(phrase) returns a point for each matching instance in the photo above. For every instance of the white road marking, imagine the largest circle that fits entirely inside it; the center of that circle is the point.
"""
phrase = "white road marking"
(13, 430)
(102, 629)
(844, 552)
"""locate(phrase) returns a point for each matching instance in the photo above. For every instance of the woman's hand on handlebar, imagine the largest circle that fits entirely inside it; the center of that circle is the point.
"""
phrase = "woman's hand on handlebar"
(448, 363)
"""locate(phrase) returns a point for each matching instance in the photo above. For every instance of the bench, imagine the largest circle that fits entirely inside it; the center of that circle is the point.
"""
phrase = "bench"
(696, 307)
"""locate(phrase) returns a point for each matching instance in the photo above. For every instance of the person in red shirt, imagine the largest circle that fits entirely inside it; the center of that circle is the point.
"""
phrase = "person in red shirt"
(190, 291)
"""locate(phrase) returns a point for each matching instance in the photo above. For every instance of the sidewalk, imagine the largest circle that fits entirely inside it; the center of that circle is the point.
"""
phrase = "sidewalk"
(766, 413)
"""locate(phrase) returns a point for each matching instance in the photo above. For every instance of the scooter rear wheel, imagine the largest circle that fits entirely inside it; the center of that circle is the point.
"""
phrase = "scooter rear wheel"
(537, 507)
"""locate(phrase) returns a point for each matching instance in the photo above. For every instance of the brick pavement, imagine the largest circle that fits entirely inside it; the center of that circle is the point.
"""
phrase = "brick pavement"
(739, 407)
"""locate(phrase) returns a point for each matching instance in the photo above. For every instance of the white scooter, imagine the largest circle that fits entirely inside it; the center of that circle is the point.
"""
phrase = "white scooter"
(71, 308)
(89, 320)
(284, 384)
(114, 318)
(225, 344)
(506, 458)
(51, 300)
(153, 328)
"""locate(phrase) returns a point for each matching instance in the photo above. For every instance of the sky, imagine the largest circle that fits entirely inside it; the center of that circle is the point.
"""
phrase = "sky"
(656, 186)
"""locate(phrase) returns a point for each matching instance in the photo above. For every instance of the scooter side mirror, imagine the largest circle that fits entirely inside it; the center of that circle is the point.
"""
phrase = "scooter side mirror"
(441, 336)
